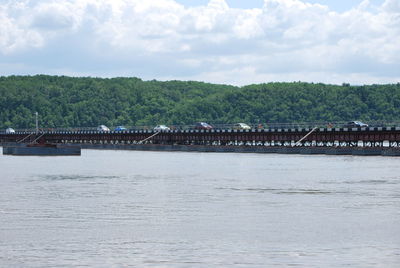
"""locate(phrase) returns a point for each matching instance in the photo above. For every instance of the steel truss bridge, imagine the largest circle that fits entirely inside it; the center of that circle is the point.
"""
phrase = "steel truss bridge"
(371, 137)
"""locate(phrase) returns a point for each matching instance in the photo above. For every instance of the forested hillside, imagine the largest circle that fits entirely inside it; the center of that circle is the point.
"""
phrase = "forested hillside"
(65, 102)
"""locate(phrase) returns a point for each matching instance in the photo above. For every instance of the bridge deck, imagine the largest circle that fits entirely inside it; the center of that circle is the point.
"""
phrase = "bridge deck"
(285, 137)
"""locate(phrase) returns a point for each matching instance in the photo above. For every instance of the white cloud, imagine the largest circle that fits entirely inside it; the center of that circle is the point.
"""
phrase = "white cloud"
(284, 40)
(391, 6)
(54, 16)
(13, 34)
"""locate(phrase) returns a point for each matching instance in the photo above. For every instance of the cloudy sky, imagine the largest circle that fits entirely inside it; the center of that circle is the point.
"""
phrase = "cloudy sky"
(222, 41)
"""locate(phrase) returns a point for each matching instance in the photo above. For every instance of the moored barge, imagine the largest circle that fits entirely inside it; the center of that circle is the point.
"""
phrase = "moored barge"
(41, 150)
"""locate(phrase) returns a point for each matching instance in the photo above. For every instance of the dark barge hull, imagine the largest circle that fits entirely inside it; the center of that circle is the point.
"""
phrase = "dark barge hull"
(359, 151)
(42, 150)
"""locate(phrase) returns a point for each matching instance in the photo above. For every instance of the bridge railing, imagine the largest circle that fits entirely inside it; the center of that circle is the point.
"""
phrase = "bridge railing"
(261, 125)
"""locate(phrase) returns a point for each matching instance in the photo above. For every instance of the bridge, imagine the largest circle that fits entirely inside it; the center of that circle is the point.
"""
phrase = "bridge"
(366, 140)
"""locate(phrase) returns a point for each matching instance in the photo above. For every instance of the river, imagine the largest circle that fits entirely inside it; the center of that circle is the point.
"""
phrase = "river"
(176, 209)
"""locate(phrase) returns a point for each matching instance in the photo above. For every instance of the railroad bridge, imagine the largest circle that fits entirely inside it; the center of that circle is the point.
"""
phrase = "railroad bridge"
(369, 137)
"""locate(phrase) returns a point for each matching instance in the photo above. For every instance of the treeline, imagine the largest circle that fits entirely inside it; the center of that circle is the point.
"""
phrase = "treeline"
(86, 102)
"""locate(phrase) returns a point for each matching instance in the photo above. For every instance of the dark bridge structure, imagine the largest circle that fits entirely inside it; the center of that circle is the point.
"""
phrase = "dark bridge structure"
(359, 141)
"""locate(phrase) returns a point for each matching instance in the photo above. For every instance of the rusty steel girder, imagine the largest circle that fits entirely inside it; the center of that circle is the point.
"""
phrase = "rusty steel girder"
(277, 137)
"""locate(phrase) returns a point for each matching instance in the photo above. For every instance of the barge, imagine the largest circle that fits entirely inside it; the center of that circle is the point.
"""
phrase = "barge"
(41, 150)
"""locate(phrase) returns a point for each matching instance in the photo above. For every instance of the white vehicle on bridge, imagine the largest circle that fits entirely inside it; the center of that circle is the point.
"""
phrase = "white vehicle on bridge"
(241, 126)
(161, 128)
(103, 128)
(10, 131)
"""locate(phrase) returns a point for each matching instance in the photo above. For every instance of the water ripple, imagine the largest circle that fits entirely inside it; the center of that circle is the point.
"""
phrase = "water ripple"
(75, 177)
(373, 182)
(284, 190)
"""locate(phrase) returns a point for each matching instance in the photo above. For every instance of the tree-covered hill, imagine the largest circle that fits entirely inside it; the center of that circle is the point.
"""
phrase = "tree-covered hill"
(86, 102)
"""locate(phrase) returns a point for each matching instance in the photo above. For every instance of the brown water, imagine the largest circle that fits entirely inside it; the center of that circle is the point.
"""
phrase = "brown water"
(159, 209)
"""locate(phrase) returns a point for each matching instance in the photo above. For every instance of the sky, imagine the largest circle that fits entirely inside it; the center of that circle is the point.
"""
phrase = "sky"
(334, 5)
(218, 41)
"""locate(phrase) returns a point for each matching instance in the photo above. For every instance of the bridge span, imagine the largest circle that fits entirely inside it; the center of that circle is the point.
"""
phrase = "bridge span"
(376, 140)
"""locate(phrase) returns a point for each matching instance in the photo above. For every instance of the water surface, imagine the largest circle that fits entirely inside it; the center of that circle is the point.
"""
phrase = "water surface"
(160, 209)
